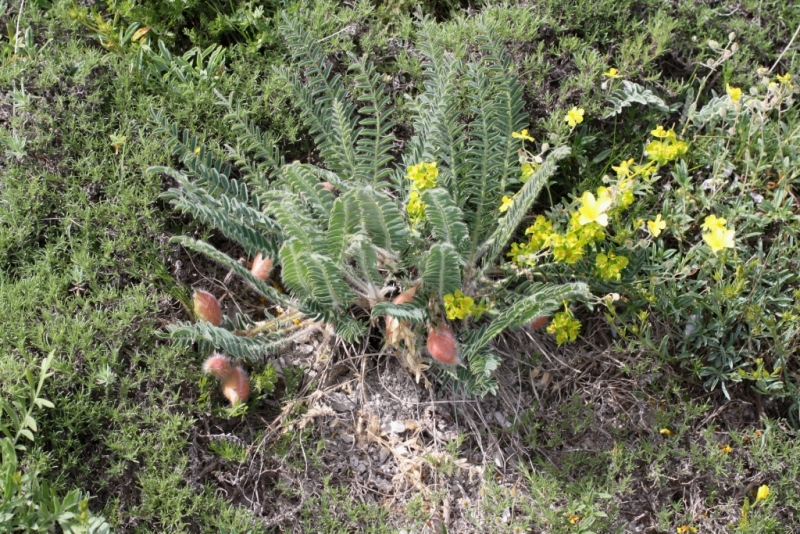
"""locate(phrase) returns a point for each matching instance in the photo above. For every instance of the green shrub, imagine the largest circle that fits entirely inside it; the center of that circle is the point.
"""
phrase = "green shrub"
(350, 233)
(29, 503)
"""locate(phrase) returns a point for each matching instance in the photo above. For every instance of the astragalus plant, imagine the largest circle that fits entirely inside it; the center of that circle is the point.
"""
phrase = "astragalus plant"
(378, 232)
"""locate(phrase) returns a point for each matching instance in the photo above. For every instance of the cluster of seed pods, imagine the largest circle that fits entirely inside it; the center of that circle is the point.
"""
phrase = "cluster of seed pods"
(234, 380)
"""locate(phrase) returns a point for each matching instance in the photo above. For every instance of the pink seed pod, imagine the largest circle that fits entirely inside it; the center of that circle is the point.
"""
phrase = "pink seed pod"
(539, 322)
(327, 185)
(442, 345)
(206, 307)
(262, 267)
(218, 365)
(236, 387)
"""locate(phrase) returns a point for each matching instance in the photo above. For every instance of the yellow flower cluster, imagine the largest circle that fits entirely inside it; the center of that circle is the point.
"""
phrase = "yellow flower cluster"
(668, 149)
(565, 327)
(586, 226)
(423, 176)
(716, 234)
(609, 266)
(457, 305)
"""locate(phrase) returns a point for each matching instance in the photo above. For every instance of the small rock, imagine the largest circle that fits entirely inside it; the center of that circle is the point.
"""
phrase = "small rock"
(398, 427)
(341, 402)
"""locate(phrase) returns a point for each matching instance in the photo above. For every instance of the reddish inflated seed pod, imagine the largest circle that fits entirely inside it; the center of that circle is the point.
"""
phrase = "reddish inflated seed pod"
(236, 387)
(406, 296)
(262, 267)
(218, 365)
(539, 322)
(403, 298)
(206, 307)
(443, 346)
(327, 185)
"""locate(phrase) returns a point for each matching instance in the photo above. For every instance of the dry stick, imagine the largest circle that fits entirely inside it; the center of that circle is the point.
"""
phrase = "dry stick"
(785, 50)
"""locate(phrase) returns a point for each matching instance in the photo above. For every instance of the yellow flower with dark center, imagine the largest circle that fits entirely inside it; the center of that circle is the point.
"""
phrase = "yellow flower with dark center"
(656, 226)
(574, 117)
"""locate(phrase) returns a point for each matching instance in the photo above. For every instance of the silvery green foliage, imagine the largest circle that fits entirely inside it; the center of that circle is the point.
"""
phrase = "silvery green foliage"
(633, 93)
(340, 254)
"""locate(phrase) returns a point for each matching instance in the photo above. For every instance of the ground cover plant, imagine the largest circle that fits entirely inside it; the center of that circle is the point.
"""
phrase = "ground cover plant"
(626, 427)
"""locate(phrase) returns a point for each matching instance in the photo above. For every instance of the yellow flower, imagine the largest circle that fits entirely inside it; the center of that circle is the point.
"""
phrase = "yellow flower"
(763, 493)
(686, 529)
(507, 202)
(712, 223)
(526, 171)
(574, 117)
(666, 432)
(734, 93)
(785, 79)
(727, 449)
(415, 207)
(523, 135)
(594, 210)
(659, 132)
(656, 226)
(423, 175)
(624, 168)
(612, 73)
(719, 238)
(457, 305)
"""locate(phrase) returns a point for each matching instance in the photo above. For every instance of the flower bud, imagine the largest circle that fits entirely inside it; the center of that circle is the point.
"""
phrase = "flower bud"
(236, 387)
(442, 345)
(206, 307)
(327, 186)
(218, 365)
(261, 267)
